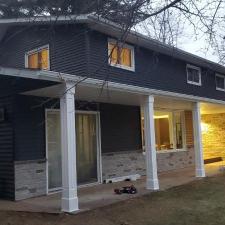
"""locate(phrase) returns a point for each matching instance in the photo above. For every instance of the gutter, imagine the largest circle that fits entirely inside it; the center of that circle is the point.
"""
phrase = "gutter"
(96, 83)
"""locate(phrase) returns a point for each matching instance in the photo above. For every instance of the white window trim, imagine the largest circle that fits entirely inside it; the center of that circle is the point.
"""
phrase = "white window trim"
(132, 68)
(221, 76)
(199, 72)
(35, 51)
(174, 133)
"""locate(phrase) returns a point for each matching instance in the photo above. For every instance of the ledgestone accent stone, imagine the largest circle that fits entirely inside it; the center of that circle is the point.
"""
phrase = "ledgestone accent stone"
(30, 179)
(213, 135)
(133, 162)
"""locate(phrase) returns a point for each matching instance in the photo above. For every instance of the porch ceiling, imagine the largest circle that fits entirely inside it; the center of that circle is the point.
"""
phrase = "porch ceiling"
(208, 108)
(99, 94)
(87, 93)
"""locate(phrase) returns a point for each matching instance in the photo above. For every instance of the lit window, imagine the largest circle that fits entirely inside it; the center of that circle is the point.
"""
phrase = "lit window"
(193, 75)
(38, 59)
(121, 55)
(169, 130)
(220, 82)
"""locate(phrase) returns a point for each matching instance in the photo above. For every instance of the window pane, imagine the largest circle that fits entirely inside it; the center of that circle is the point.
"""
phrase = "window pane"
(178, 124)
(126, 57)
(193, 75)
(163, 130)
(220, 82)
(113, 53)
(33, 61)
(44, 59)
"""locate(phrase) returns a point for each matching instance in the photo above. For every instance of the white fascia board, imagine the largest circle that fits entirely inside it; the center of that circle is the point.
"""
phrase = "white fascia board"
(45, 19)
(135, 89)
(31, 74)
(63, 77)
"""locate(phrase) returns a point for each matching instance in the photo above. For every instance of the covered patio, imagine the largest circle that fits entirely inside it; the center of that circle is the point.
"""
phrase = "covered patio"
(103, 194)
(179, 150)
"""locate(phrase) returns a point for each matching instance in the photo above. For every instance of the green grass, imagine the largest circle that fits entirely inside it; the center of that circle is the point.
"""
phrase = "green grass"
(198, 203)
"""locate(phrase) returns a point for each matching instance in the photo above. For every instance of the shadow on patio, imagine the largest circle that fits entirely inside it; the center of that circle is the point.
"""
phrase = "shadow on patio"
(101, 195)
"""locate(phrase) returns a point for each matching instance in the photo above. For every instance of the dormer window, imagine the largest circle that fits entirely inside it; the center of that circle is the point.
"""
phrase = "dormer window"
(220, 82)
(120, 55)
(193, 75)
(38, 58)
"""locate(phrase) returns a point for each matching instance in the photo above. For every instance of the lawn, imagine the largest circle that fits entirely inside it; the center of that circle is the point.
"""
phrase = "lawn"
(198, 203)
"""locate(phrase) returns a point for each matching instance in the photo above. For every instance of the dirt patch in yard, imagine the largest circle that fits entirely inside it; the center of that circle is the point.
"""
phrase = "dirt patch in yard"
(198, 203)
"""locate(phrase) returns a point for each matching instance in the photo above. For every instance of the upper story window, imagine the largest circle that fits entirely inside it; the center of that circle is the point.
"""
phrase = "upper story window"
(38, 58)
(121, 55)
(193, 75)
(220, 82)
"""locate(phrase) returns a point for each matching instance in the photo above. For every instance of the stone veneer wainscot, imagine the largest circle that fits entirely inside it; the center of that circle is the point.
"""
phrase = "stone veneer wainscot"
(30, 179)
(133, 162)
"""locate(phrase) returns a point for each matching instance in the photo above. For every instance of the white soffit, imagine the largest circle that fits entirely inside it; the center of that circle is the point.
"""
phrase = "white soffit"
(208, 108)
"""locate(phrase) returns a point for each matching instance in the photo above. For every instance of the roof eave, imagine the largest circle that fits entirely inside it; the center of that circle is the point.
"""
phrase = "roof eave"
(110, 28)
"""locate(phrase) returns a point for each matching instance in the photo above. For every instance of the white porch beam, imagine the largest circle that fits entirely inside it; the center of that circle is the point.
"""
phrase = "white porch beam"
(152, 182)
(199, 161)
(69, 201)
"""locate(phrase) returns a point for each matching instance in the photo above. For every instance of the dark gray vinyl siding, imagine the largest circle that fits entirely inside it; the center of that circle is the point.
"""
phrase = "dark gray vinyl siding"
(67, 47)
(19, 126)
(152, 70)
(6, 149)
(120, 128)
(29, 128)
(75, 49)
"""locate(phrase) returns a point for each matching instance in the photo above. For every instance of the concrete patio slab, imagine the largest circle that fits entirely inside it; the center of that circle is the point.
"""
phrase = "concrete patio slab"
(100, 195)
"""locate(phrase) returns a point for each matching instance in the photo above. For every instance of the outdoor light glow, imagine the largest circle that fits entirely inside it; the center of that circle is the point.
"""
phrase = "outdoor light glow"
(204, 127)
(161, 117)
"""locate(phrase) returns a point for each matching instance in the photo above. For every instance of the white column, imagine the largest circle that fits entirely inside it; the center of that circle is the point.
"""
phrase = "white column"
(151, 161)
(69, 201)
(199, 161)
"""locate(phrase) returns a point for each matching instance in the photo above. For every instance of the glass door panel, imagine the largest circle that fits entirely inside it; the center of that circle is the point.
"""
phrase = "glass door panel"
(86, 147)
(54, 151)
(86, 138)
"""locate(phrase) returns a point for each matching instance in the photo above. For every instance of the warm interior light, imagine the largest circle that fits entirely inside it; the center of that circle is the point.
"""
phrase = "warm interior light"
(204, 127)
(161, 117)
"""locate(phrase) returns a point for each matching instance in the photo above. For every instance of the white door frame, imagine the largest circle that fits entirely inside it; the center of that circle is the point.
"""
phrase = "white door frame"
(99, 152)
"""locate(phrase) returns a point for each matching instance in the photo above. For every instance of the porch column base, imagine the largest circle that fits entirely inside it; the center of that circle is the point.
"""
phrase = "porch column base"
(69, 204)
(200, 173)
(152, 184)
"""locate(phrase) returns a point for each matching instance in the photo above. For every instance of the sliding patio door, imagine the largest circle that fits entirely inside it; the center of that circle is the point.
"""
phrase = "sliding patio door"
(54, 150)
(86, 147)
(86, 139)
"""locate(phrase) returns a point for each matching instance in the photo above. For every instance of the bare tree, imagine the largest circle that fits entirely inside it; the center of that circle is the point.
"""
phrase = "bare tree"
(164, 20)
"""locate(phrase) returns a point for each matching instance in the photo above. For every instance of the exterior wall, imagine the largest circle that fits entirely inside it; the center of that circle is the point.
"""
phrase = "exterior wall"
(131, 163)
(66, 44)
(6, 149)
(213, 134)
(29, 128)
(9, 87)
(152, 70)
(30, 179)
(120, 128)
(75, 49)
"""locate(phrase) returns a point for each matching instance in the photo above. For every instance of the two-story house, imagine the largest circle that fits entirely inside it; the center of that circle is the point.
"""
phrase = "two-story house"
(78, 107)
